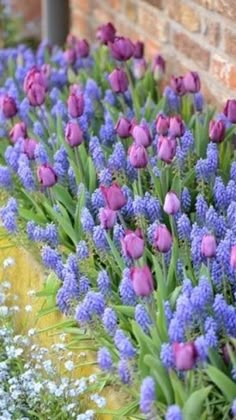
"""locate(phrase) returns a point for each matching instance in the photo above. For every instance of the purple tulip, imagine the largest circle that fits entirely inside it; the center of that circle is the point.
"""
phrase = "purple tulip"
(122, 127)
(142, 280)
(106, 33)
(34, 76)
(8, 106)
(19, 130)
(133, 244)
(29, 146)
(177, 127)
(192, 82)
(139, 68)
(36, 94)
(73, 134)
(118, 81)
(138, 49)
(217, 131)
(71, 40)
(141, 135)
(177, 84)
(47, 177)
(107, 217)
(166, 148)
(138, 156)
(208, 246)
(75, 104)
(171, 203)
(230, 110)
(233, 257)
(82, 48)
(121, 48)
(114, 196)
(158, 67)
(162, 239)
(70, 55)
(162, 124)
(185, 355)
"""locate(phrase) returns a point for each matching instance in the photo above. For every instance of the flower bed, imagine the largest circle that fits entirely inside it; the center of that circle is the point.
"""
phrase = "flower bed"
(130, 190)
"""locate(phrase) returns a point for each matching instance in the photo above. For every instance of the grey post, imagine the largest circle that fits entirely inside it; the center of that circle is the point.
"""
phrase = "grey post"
(55, 20)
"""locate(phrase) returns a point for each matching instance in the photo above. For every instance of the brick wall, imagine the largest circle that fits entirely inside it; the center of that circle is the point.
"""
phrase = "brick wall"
(191, 34)
(30, 12)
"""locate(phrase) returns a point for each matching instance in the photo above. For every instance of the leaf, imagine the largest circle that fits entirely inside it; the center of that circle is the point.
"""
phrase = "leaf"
(171, 279)
(159, 278)
(223, 382)
(64, 197)
(179, 391)
(161, 376)
(146, 346)
(30, 215)
(193, 407)
(114, 252)
(126, 310)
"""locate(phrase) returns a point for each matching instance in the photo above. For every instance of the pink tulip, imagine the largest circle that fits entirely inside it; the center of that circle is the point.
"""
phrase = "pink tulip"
(75, 104)
(107, 218)
(106, 33)
(8, 106)
(121, 48)
(177, 127)
(177, 84)
(216, 131)
(18, 131)
(162, 240)
(139, 68)
(192, 82)
(208, 246)
(118, 80)
(138, 49)
(138, 156)
(29, 146)
(230, 110)
(46, 175)
(162, 124)
(36, 94)
(114, 196)
(73, 134)
(185, 355)
(133, 244)
(171, 203)
(142, 280)
(82, 48)
(158, 67)
(233, 257)
(34, 76)
(70, 55)
(166, 148)
(122, 127)
(141, 135)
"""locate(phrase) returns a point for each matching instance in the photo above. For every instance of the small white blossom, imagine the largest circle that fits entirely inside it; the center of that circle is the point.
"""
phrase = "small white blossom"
(31, 293)
(31, 332)
(4, 311)
(100, 401)
(92, 379)
(6, 284)
(69, 365)
(8, 262)
(28, 308)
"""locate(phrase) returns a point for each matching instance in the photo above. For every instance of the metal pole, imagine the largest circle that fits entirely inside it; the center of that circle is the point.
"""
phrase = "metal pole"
(55, 20)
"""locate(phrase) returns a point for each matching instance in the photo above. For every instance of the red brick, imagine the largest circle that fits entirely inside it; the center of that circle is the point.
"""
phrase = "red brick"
(207, 4)
(192, 49)
(114, 4)
(85, 6)
(102, 15)
(80, 26)
(184, 14)
(226, 8)
(223, 71)
(153, 24)
(156, 3)
(230, 43)
(212, 32)
(131, 10)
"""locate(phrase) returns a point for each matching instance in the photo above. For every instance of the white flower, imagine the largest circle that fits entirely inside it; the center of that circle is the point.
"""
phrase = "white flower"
(69, 365)
(15, 308)
(32, 331)
(6, 284)
(28, 308)
(62, 337)
(92, 379)
(100, 401)
(8, 262)
(4, 311)
(31, 293)
(13, 352)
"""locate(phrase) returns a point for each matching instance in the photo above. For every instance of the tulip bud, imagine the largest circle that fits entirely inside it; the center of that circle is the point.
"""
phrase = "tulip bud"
(226, 354)
(230, 110)
(216, 131)
(8, 106)
(46, 175)
(34, 76)
(121, 48)
(162, 240)
(142, 280)
(141, 135)
(45, 72)
(171, 203)
(73, 134)
(138, 49)
(158, 67)
(82, 48)
(162, 124)
(114, 196)
(177, 127)
(70, 55)
(139, 68)
(177, 84)
(192, 82)
(18, 131)
(118, 81)
(133, 244)
(75, 104)
(166, 148)
(185, 355)
(71, 40)
(36, 94)
(233, 257)
(138, 156)
(29, 146)
(122, 127)
(106, 33)
(208, 246)
(107, 218)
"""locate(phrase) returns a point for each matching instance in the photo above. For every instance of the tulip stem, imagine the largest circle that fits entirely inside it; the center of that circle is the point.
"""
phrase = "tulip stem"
(122, 220)
(164, 267)
(133, 93)
(140, 189)
(79, 164)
